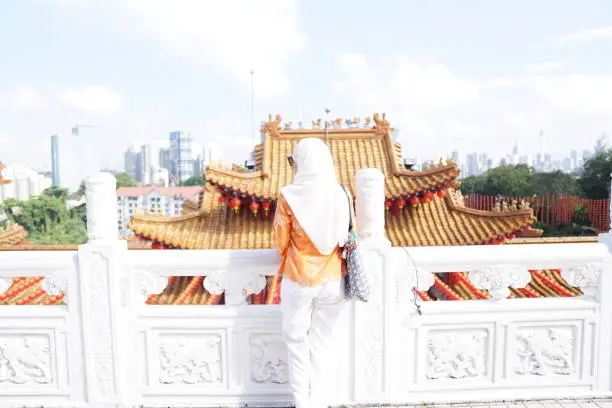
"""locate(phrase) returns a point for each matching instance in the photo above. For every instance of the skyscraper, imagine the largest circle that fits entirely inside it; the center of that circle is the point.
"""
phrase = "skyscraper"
(130, 162)
(181, 160)
(55, 161)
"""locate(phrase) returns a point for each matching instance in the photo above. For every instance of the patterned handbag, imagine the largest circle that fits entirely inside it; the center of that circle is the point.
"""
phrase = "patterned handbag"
(356, 283)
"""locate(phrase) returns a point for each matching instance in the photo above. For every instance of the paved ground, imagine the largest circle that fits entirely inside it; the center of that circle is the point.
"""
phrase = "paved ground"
(560, 403)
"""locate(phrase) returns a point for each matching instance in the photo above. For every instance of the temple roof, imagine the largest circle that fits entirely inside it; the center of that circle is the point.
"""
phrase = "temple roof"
(424, 207)
(12, 234)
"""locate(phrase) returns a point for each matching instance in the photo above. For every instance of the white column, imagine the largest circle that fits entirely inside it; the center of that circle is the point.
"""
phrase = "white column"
(102, 273)
(603, 293)
(369, 321)
(370, 207)
(101, 207)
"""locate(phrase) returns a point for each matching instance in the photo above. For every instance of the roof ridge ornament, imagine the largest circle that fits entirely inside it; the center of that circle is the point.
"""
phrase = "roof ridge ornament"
(381, 124)
(272, 127)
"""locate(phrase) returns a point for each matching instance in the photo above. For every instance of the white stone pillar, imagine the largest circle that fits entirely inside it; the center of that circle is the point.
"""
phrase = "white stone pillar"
(101, 207)
(103, 281)
(368, 320)
(604, 296)
(370, 206)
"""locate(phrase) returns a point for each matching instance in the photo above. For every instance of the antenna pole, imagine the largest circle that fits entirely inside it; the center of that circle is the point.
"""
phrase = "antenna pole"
(252, 122)
(327, 125)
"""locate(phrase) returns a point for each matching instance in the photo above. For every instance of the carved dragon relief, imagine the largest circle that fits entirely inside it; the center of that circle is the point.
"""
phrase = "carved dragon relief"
(25, 359)
(269, 360)
(190, 360)
(545, 351)
(457, 354)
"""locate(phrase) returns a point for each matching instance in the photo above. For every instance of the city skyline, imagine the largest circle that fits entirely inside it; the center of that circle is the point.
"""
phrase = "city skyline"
(449, 76)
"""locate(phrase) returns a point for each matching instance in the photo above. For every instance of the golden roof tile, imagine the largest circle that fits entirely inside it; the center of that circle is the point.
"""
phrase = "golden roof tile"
(12, 234)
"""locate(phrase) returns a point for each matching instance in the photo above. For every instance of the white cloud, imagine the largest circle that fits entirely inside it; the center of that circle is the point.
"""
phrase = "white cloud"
(586, 35)
(233, 36)
(582, 94)
(405, 82)
(93, 99)
(545, 67)
(22, 97)
(438, 110)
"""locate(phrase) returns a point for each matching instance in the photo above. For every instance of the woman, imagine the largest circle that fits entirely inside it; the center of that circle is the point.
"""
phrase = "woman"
(311, 225)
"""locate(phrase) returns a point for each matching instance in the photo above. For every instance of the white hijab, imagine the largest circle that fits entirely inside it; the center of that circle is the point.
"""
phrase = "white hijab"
(318, 202)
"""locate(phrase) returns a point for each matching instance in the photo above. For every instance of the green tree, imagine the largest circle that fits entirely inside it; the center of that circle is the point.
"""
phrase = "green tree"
(193, 181)
(505, 180)
(57, 192)
(124, 179)
(47, 218)
(509, 181)
(555, 182)
(473, 185)
(595, 180)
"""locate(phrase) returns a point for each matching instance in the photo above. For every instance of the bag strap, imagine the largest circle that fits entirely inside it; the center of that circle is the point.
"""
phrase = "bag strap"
(348, 199)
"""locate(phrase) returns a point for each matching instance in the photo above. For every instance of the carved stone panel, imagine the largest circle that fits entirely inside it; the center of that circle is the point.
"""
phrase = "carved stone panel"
(456, 354)
(545, 351)
(268, 359)
(190, 359)
(25, 359)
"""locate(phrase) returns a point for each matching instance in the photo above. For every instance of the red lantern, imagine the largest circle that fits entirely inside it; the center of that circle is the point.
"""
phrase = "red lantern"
(388, 204)
(401, 203)
(266, 207)
(500, 240)
(429, 195)
(441, 193)
(235, 204)
(415, 201)
(254, 207)
(510, 236)
(223, 199)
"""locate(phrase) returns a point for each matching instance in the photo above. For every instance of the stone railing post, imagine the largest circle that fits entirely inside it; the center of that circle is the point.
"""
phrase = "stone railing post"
(101, 207)
(370, 207)
(103, 279)
(603, 293)
(368, 320)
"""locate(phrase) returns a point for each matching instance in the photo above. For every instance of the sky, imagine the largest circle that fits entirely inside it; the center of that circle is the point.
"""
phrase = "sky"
(471, 75)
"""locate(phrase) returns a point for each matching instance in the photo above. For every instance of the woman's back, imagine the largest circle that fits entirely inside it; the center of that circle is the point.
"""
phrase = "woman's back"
(302, 261)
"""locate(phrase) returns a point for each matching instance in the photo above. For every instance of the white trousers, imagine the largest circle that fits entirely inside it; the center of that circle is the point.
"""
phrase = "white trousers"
(309, 316)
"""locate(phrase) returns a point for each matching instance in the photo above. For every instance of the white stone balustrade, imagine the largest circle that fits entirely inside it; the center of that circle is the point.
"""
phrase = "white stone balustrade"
(107, 348)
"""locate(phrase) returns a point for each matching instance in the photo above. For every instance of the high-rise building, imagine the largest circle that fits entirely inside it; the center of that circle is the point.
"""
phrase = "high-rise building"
(211, 154)
(181, 159)
(164, 158)
(55, 161)
(130, 162)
